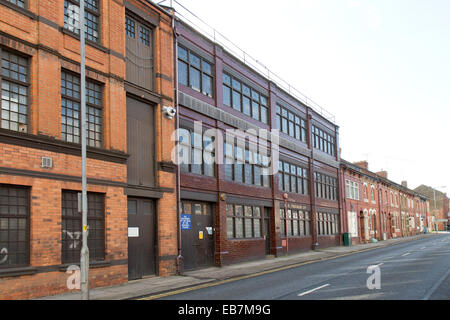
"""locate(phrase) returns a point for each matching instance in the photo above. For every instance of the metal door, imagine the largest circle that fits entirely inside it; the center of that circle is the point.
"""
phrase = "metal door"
(141, 238)
(197, 235)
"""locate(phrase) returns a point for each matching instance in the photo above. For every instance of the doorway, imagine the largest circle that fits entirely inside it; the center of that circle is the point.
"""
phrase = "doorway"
(197, 234)
(141, 238)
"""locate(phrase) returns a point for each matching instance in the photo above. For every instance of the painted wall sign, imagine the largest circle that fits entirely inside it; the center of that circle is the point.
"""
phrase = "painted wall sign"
(133, 232)
(200, 235)
(209, 230)
(185, 222)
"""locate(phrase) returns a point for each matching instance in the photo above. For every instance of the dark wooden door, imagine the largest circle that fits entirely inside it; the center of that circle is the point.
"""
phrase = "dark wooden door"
(267, 229)
(362, 227)
(198, 241)
(141, 238)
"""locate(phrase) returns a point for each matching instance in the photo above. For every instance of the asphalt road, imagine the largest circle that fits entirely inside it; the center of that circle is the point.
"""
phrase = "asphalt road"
(416, 270)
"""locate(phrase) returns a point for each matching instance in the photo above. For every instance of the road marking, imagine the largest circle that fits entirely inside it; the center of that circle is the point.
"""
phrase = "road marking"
(310, 291)
(436, 285)
(380, 264)
(422, 248)
(404, 255)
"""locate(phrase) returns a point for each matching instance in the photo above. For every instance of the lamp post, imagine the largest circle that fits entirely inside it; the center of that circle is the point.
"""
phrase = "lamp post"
(84, 256)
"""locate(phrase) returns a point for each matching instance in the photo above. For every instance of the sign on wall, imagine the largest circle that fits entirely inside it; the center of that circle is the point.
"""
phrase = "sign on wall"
(185, 222)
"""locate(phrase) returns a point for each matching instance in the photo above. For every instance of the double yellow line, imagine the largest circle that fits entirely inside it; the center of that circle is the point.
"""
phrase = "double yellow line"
(217, 283)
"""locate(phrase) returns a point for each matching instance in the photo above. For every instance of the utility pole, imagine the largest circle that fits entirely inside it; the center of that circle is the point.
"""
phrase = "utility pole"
(84, 258)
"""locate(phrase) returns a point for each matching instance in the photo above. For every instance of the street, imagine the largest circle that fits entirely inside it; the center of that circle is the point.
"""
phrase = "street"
(416, 270)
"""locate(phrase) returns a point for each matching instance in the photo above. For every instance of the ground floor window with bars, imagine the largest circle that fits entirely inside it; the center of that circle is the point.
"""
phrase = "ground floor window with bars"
(14, 226)
(327, 224)
(298, 223)
(243, 221)
(72, 226)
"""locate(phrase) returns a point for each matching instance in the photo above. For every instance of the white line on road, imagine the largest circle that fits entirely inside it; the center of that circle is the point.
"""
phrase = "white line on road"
(404, 255)
(422, 248)
(310, 291)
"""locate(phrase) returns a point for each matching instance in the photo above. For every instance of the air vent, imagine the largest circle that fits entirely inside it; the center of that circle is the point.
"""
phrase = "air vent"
(47, 162)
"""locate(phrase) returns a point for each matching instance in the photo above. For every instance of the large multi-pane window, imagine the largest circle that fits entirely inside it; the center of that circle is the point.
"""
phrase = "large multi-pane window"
(243, 221)
(14, 226)
(292, 178)
(14, 79)
(71, 110)
(245, 165)
(241, 97)
(291, 124)
(71, 227)
(91, 18)
(196, 152)
(326, 186)
(195, 72)
(323, 141)
(327, 224)
(298, 223)
(352, 189)
(20, 3)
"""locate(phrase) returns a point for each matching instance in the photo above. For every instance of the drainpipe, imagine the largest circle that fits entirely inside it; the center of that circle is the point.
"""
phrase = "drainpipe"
(177, 126)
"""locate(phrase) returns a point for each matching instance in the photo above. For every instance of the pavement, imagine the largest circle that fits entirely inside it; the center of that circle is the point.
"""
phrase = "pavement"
(159, 285)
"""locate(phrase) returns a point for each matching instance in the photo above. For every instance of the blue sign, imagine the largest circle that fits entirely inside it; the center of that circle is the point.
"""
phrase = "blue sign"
(185, 222)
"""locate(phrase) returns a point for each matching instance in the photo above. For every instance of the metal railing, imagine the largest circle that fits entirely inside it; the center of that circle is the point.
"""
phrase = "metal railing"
(188, 17)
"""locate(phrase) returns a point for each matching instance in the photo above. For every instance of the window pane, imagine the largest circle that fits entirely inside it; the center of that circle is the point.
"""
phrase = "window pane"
(182, 73)
(207, 85)
(226, 96)
(194, 78)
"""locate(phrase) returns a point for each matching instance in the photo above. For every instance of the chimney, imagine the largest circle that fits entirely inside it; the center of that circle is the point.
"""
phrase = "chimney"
(362, 164)
(383, 174)
(405, 184)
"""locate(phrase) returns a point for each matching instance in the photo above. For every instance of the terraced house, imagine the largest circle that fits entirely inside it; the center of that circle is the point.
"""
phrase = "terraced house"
(375, 207)
(131, 182)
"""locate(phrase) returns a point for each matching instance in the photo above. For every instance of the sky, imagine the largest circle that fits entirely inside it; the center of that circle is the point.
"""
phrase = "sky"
(382, 67)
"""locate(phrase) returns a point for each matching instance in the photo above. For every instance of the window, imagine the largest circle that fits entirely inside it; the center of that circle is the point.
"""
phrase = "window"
(243, 221)
(327, 224)
(244, 99)
(245, 165)
(323, 141)
(20, 3)
(326, 186)
(70, 110)
(291, 124)
(91, 18)
(195, 72)
(144, 34)
(292, 178)
(71, 227)
(14, 226)
(365, 194)
(352, 189)
(14, 82)
(197, 153)
(298, 223)
(130, 27)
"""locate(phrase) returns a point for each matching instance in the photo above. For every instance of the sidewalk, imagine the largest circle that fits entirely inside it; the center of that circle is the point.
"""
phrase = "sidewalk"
(155, 285)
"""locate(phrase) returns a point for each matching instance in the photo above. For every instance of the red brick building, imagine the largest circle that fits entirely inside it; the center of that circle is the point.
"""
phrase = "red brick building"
(234, 208)
(376, 208)
(40, 163)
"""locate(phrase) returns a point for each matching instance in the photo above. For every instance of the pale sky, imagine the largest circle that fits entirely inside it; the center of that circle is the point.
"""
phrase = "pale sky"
(382, 67)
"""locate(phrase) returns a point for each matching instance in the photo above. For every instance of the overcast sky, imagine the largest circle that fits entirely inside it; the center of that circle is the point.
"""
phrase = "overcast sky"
(382, 67)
